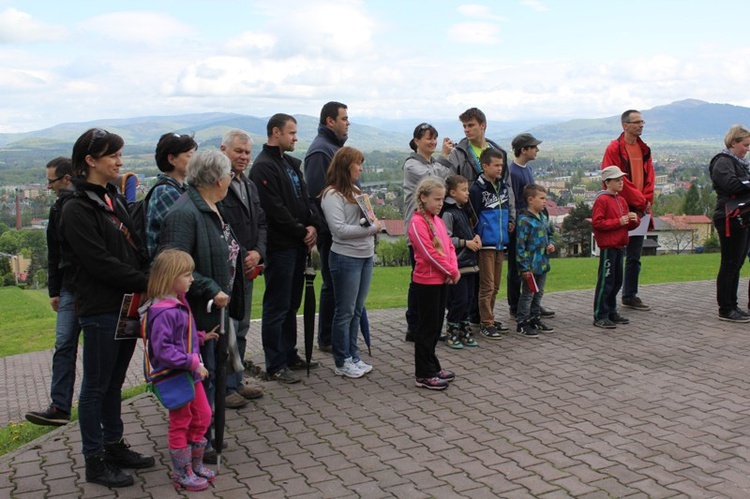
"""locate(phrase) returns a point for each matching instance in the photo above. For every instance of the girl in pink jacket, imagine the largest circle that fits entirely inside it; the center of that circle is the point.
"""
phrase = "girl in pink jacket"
(435, 268)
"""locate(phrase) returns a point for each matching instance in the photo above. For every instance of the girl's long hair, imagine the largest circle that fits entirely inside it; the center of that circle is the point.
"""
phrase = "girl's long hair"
(339, 177)
(168, 265)
(425, 188)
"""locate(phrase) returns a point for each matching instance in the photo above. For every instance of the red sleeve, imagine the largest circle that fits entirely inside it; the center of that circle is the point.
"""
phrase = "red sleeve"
(611, 155)
(633, 196)
(601, 219)
(649, 180)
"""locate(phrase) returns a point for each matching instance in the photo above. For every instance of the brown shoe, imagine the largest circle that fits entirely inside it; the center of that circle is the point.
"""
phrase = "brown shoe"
(250, 391)
(234, 400)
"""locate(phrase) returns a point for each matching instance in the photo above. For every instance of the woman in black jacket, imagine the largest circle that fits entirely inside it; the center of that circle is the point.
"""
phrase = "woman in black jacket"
(104, 260)
(730, 175)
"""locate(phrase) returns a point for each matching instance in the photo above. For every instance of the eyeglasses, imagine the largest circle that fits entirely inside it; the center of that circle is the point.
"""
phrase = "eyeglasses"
(51, 181)
(97, 134)
(639, 122)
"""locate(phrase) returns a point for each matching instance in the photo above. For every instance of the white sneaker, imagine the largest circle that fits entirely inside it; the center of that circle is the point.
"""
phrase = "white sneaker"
(362, 366)
(349, 370)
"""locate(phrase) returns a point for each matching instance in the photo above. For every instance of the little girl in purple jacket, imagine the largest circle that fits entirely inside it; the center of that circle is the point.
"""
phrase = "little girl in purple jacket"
(169, 322)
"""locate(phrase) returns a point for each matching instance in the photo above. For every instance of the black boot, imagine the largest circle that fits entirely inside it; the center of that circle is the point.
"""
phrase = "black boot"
(119, 454)
(97, 471)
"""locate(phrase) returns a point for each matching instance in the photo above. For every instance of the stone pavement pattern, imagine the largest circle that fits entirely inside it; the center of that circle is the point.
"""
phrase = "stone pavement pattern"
(659, 408)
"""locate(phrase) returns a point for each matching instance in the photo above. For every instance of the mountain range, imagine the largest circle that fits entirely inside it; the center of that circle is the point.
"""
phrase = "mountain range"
(685, 121)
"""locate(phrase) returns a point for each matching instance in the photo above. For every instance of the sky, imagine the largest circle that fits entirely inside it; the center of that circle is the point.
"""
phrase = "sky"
(77, 61)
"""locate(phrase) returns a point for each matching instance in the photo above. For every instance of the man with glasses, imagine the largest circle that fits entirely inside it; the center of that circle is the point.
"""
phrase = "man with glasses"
(633, 157)
(67, 328)
(243, 212)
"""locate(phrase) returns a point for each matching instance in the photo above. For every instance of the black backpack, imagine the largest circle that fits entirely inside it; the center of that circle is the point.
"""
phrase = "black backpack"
(138, 211)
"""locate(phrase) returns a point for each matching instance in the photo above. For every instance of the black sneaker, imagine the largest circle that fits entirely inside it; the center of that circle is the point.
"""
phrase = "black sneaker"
(119, 455)
(734, 316)
(490, 333)
(51, 416)
(743, 312)
(499, 326)
(301, 365)
(635, 303)
(98, 471)
(605, 324)
(541, 326)
(527, 330)
(547, 313)
(284, 376)
(618, 319)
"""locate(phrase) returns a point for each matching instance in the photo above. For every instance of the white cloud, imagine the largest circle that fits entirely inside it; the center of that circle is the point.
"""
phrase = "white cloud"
(17, 26)
(535, 4)
(479, 11)
(475, 32)
(137, 27)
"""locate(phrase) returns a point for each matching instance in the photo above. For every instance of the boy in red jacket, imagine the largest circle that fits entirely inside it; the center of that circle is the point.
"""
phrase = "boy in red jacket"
(611, 221)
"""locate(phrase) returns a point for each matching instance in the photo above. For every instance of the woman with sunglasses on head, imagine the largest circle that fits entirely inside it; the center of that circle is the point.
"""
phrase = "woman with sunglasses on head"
(104, 260)
(419, 165)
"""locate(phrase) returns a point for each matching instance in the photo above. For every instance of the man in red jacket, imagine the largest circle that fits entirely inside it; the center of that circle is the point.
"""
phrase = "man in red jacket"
(633, 157)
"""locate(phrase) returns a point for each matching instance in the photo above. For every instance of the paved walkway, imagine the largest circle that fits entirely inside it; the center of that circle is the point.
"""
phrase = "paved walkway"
(659, 408)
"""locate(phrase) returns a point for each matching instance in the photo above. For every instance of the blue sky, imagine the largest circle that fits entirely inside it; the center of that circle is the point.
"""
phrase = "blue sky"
(515, 59)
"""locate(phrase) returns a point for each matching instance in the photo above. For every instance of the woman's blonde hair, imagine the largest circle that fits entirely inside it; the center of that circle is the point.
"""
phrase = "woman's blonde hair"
(168, 265)
(736, 133)
(425, 188)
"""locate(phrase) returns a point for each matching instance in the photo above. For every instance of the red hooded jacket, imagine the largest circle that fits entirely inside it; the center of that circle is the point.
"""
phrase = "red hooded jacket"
(615, 154)
(605, 218)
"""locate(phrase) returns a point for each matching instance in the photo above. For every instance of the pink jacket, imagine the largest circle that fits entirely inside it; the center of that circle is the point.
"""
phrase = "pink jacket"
(431, 267)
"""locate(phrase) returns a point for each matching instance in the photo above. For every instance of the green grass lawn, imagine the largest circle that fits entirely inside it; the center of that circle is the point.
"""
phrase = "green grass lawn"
(27, 322)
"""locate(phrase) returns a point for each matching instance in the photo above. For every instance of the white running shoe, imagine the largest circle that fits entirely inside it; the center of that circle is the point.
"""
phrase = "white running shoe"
(362, 366)
(349, 370)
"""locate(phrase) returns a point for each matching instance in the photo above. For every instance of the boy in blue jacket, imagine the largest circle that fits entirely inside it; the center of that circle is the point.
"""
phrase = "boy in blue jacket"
(492, 199)
(533, 245)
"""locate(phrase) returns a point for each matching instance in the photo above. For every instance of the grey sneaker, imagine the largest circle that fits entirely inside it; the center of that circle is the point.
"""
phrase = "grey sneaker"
(605, 324)
(635, 303)
(285, 376)
(349, 370)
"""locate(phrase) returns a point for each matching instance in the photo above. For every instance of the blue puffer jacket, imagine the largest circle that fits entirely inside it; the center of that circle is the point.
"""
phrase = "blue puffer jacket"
(493, 204)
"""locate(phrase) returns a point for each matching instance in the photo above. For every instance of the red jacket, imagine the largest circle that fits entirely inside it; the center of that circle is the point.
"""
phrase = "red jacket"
(616, 154)
(605, 218)
(431, 267)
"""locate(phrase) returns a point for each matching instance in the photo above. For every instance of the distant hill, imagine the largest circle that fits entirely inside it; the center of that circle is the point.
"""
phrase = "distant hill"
(692, 122)
(687, 120)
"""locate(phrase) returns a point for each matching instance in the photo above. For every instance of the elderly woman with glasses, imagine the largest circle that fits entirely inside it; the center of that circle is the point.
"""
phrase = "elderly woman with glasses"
(196, 224)
(418, 165)
(103, 260)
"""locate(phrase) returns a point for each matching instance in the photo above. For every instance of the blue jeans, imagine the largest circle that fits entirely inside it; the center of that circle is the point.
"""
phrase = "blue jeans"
(67, 332)
(327, 303)
(285, 281)
(632, 267)
(105, 364)
(351, 283)
(530, 304)
(241, 328)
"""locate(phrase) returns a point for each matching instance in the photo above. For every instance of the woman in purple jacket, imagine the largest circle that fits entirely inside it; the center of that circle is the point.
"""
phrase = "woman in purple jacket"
(173, 343)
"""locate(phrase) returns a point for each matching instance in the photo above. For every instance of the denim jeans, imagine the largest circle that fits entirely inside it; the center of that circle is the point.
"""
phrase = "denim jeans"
(530, 304)
(632, 267)
(105, 364)
(351, 283)
(67, 332)
(327, 303)
(285, 281)
(241, 328)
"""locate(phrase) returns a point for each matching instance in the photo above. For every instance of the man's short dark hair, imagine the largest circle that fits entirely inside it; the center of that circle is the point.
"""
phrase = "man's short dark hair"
(62, 165)
(278, 120)
(473, 114)
(626, 115)
(330, 110)
(489, 154)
